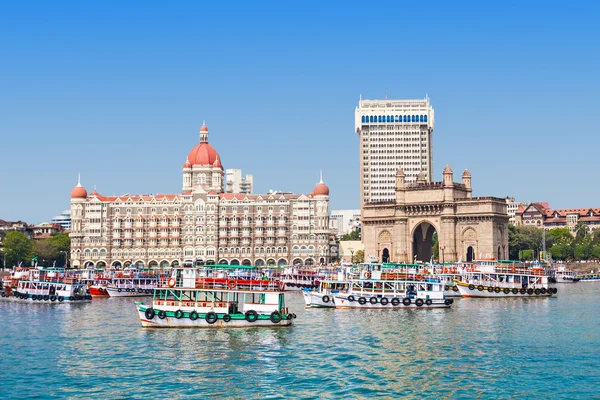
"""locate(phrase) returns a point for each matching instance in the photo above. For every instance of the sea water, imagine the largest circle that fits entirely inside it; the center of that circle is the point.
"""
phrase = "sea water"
(479, 348)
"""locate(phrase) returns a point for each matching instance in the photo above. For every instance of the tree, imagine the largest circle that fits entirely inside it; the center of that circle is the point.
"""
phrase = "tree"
(46, 252)
(526, 255)
(354, 235)
(581, 231)
(561, 236)
(582, 251)
(560, 251)
(359, 256)
(62, 244)
(435, 246)
(17, 247)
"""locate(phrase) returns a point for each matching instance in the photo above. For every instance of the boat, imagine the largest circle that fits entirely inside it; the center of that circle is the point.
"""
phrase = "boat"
(132, 283)
(323, 295)
(44, 286)
(591, 277)
(373, 289)
(489, 278)
(564, 275)
(294, 278)
(189, 300)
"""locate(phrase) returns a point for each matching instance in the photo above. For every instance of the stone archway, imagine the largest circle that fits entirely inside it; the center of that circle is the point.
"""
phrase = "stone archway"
(470, 253)
(385, 255)
(423, 241)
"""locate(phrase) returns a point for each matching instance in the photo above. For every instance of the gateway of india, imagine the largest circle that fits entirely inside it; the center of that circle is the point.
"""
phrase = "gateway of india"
(201, 225)
(401, 208)
(467, 227)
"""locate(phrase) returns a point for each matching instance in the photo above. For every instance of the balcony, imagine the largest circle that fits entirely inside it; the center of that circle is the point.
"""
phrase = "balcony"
(175, 224)
(164, 224)
(152, 224)
(128, 225)
(152, 234)
(139, 225)
(128, 235)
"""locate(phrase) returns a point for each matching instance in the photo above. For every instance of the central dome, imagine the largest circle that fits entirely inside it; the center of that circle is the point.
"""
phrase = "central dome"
(203, 154)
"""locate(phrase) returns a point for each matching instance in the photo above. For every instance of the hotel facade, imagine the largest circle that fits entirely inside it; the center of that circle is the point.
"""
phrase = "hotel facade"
(202, 225)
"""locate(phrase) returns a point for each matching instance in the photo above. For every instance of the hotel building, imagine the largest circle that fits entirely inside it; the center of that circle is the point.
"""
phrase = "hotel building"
(202, 225)
(393, 134)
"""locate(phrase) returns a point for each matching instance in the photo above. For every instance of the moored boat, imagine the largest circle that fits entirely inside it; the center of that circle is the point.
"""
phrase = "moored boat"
(42, 286)
(504, 280)
(377, 289)
(188, 300)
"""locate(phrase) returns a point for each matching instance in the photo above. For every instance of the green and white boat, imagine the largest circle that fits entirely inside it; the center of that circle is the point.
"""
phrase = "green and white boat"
(190, 299)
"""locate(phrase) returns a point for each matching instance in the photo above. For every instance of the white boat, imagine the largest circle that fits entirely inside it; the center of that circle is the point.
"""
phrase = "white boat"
(371, 291)
(189, 301)
(563, 275)
(323, 295)
(294, 278)
(43, 287)
(132, 287)
(498, 280)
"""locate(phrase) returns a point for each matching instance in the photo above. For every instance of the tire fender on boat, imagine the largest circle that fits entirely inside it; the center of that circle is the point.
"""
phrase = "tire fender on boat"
(395, 301)
(251, 315)
(362, 300)
(325, 299)
(275, 317)
(419, 302)
(406, 301)
(149, 313)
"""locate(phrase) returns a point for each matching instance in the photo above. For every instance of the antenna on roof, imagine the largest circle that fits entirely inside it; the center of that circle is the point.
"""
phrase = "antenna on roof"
(386, 97)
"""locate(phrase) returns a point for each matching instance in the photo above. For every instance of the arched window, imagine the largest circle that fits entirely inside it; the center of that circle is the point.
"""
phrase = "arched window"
(363, 119)
(425, 118)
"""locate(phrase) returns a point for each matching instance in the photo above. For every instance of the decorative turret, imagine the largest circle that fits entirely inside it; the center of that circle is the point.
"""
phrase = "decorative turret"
(203, 133)
(466, 180)
(448, 176)
(421, 178)
(400, 185)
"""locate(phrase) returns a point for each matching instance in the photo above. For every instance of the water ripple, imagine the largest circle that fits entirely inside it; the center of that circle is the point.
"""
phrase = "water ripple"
(502, 349)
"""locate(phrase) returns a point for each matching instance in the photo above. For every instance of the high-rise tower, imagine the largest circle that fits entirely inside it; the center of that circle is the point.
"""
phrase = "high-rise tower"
(393, 134)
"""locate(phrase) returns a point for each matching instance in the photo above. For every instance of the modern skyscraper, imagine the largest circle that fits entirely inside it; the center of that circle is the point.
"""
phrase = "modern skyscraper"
(236, 183)
(393, 134)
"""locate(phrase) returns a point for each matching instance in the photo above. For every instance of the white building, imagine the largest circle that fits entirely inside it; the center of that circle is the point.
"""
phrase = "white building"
(342, 222)
(393, 134)
(511, 207)
(236, 183)
(63, 219)
(201, 225)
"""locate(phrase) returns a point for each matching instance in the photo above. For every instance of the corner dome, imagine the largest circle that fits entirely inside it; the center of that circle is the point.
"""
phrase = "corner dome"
(187, 164)
(79, 192)
(203, 128)
(466, 173)
(321, 189)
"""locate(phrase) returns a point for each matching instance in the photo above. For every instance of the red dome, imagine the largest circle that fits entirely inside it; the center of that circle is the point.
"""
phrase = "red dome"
(203, 154)
(217, 163)
(187, 164)
(78, 192)
(321, 190)
(203, 128)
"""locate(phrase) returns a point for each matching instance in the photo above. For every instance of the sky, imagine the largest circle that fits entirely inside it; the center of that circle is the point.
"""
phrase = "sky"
(117, 91)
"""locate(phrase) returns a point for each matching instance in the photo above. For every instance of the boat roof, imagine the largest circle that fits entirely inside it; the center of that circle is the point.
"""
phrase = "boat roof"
(220, 290)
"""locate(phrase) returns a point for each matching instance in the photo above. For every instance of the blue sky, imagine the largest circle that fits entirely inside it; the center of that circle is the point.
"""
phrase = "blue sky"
(118, 92)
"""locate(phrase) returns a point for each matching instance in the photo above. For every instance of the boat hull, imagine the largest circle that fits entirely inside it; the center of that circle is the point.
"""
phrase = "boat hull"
(98, 291)
(317, 300)
(186, 322)
(29, 300)
(468, 291)
(128, 292)
(343, 302)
